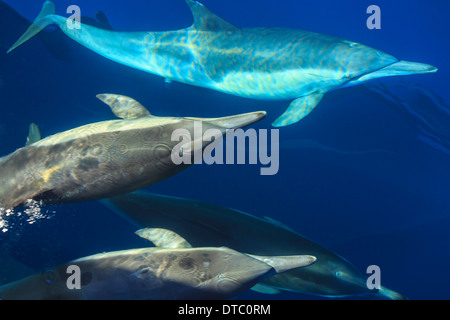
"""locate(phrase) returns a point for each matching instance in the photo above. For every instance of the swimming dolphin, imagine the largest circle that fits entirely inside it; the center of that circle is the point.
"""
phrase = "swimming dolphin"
(258, 63)
(102, 159)
(206, 224)
(172, 270)
(426, 112)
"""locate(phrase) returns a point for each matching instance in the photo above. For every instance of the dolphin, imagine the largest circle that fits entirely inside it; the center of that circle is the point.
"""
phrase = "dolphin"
(425, 111)
(206, 224)
(258, 63)
(171, 270)
(102, 159)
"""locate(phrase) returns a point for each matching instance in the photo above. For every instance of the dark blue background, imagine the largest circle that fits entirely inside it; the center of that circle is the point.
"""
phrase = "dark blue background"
(354, 175)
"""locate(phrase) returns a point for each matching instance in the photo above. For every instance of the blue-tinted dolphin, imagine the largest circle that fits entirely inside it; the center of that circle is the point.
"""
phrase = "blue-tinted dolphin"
(426, 111)
(102, 159)
(205, 224)
(172, 270)
(258, 63)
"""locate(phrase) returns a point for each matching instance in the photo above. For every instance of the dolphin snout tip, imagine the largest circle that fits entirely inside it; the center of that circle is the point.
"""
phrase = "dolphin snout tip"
(407, 67)
(312, 259)
(261, 114)
(428, 67)
(432, 69)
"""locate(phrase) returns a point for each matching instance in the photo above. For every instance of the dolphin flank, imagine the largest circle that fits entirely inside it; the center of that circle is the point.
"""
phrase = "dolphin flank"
(102, 159)
(258, 63)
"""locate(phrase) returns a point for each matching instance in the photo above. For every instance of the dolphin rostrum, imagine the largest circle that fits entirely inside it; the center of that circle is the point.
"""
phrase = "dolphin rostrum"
(258, 63)
(206, 224)
(102, 159)
(172, 270)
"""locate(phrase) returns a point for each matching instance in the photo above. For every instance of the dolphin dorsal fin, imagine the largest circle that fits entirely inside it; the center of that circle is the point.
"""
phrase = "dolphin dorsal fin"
(124, 107)
(205, 20)
(34, 134)
(163, 238)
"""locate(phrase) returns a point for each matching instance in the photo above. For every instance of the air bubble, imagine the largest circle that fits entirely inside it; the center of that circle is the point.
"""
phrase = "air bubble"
(32, 210)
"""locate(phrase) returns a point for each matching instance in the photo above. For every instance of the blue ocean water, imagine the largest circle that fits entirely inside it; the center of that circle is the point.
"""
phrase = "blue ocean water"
(366, 174)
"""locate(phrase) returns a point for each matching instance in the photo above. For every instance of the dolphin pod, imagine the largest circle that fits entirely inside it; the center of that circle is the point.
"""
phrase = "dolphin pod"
(206, 224)
(258, 63)
(102, 159)
(203, 251)
(172, 270)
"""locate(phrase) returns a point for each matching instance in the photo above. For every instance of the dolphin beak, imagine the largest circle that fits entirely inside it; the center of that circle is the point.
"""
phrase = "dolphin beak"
(399, 68)
(407, 67)
(285, 263)
(236, 121)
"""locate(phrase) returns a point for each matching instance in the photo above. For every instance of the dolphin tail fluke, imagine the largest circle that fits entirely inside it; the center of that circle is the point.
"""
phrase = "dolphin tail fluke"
(43, 20)
(298, 109)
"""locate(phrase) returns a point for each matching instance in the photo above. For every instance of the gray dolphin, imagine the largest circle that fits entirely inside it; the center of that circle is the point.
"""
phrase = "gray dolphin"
(258, 63)
(102, 159)
(172, 270)
(205, 224)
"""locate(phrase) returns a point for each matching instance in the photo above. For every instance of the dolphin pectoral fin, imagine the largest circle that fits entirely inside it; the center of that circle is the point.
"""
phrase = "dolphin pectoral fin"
(163, 238)
(261, 288)
(38, 25)
(284, 263)
(298, 109)
(205, 20)
(124, 107)
(34, 134)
